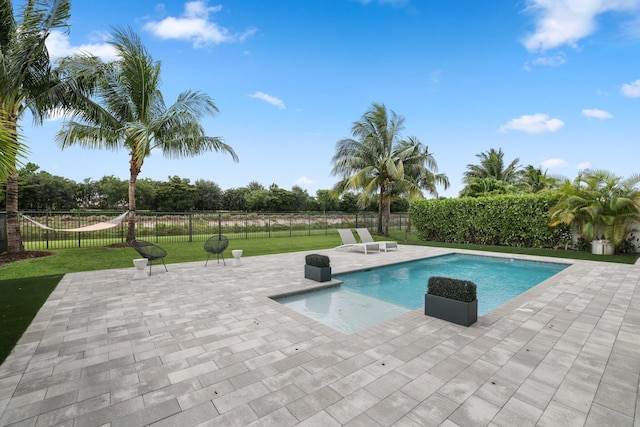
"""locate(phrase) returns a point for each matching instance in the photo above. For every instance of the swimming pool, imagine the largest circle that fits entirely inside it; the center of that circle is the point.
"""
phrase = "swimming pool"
(372, 296)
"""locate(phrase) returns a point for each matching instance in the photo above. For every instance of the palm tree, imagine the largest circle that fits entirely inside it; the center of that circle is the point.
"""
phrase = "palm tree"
(379, 163)
(534, 180)
(119, 105)
(492, 166)
(599, 203)
(26, 83)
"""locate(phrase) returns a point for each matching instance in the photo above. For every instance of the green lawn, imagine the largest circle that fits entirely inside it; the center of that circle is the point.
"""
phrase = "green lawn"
(27, 284)
(21, 300)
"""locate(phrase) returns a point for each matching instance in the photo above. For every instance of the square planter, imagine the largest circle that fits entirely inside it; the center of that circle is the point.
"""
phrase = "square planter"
(319, 274)
(461, 313)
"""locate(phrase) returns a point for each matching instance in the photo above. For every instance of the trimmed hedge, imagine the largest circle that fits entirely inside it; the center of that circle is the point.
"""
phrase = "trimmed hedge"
(509, 220)
(317, 260)
(446, 287)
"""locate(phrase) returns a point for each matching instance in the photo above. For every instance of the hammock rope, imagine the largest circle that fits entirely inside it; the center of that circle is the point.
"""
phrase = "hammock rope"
(94, 227)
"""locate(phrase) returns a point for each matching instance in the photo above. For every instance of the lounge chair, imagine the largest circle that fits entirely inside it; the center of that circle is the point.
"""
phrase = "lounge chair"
(365, 237)
(216, 245)
(149, 251)
(349, 241)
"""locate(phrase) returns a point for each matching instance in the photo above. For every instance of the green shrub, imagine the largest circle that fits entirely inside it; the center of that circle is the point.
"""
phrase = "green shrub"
(317, 260)
(446, 287)
(510, 220)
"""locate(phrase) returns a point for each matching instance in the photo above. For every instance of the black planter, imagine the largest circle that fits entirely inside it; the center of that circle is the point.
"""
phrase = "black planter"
(461, 313)
(319, 274)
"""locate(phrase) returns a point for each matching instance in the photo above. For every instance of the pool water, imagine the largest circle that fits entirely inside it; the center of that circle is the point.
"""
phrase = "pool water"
(372, 296)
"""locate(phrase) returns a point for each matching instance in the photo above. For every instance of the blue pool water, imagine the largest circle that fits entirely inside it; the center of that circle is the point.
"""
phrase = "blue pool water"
(369, 297)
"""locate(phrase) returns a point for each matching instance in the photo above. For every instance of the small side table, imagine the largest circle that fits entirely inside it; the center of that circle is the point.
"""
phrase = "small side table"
(237, 253)
(141, 265)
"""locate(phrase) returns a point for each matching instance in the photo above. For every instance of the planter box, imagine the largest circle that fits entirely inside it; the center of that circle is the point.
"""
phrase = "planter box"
(602, 247)
(319, 274)
(461, 313)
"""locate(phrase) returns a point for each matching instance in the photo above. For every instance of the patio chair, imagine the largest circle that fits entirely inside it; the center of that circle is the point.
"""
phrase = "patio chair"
(216, 245)
(149, 251)
(349, 241)
(365, 237)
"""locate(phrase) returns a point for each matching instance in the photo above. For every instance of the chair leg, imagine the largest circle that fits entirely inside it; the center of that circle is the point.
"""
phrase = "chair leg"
(208, 255)
(165, 265)
(221, 255)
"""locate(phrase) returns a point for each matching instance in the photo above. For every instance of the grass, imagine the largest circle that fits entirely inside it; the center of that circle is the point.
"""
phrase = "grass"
(28, 283)
(21, 300)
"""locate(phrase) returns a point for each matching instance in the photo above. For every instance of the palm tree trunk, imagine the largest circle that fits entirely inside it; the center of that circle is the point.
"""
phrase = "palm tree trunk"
(14, 239)
(387, 215)
(134, 170)
(380, 211)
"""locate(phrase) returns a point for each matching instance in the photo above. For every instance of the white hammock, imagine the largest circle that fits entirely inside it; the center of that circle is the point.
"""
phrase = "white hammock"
(95, 227)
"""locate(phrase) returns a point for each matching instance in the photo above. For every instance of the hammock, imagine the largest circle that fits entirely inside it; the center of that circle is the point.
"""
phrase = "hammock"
(95, 227)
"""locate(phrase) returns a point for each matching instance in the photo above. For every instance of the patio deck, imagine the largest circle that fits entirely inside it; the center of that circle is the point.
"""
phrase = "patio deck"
(206, 346)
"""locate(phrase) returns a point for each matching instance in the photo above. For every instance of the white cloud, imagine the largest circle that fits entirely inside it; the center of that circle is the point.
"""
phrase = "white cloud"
(584, 165)
(534, 123)
(597, 114)
(554, 164)
(550, 61)
(268, 98)
(564, 22)
(303, 182)
(632, 90)
(194, 25)
(59, 46)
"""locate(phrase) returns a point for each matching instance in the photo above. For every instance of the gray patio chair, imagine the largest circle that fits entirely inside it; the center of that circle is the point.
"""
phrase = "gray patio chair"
(149, 251)
(216, 245)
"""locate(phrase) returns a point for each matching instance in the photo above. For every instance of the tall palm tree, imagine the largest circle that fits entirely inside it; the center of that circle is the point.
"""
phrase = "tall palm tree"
(379, 163)
(492, 165)
(26, 83)
(119, 105)
(534, 180)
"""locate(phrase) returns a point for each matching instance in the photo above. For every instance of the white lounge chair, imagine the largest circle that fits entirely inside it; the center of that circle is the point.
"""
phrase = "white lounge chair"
(365, 237)
(349, 241)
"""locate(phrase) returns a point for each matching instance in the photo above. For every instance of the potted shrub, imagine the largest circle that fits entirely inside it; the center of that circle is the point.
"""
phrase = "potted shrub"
(452, 300)
(317, 267)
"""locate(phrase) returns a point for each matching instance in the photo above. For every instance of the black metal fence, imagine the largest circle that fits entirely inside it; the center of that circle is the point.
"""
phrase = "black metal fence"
(187, 226)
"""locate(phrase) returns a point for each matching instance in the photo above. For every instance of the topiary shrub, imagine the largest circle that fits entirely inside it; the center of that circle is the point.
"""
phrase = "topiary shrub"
(317, 260)
(446, 287)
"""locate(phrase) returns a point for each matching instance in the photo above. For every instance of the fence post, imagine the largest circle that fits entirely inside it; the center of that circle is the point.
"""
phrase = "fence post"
(191, 226)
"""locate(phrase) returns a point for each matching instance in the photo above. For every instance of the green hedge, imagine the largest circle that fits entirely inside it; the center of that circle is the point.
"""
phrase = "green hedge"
(510, 220)
(446, 287)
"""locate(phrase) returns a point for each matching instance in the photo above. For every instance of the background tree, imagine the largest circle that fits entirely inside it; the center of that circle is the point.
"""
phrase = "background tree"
(88, 194)
(176, 195)
(299, 199)
(119, 105)
(327, 201)
(379, 163)
(113, 192)
(491, 166)
(234, 199)
(209, 195)
(27, 82)
(534, 180)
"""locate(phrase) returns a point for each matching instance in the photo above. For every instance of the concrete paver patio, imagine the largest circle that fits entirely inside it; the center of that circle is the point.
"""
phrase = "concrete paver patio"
(207, 346)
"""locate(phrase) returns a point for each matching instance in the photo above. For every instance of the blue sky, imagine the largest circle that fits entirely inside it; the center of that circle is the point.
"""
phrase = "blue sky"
(555, 84)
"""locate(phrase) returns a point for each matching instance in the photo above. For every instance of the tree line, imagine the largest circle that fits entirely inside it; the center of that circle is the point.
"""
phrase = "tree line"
(40, 190)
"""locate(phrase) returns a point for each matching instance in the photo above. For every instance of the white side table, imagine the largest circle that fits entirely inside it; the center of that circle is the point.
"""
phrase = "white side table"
(237, 253)
(141, 265)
